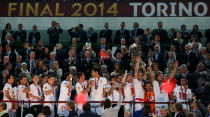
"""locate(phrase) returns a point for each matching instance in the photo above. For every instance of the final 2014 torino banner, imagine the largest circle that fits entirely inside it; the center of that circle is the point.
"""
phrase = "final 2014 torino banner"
(143, 8)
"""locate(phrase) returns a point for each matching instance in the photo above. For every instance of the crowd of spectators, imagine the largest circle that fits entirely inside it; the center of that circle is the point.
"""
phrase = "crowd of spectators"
(159, 49)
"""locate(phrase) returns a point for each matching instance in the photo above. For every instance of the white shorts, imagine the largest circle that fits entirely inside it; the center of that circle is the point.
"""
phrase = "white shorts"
(62, 110)
(9, 106)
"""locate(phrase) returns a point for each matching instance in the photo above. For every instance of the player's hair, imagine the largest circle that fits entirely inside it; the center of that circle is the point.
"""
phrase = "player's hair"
(96, 69)
(65, 75)
(51, 75)
(3, 105)
(8, 77)
(79, 74)
(22, 76)
(107, 103)
(71, 104)
(178, 106)
(46, 110)
(33, 75)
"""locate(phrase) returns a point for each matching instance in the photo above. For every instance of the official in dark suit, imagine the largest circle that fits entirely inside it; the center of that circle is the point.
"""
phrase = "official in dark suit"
(70, 61)
(20, 34)
(92, 36)
(25, 51)
(197, 33)
(136, 32)
(54, 33)
(34, 36)
(107, 33)
(6, 31)
(9, 41)
(78, 33)
(162, 33)
(87, 112)
(102, 45)
(122, 33)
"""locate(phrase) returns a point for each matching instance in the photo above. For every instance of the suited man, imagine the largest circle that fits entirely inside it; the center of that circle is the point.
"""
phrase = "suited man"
(159, 57)
(157, 42)
(54, 32)
(25, 51)
(70, 61)
(179, 110)
(161, 32)
(178, 42)
(207, 35)
(20, 34)
(5, 61)
(34, 36)
(17, 65)
(102, 45)
(92, 36)
(122, 33)
(86, 64)
(78, 33)
(107, 33)
(31, 62)
(52, 58)
(87, 112)
(59, 54)
(122, 44)
(119, 60)
(136, 32)
(188, 58)
(10, 53)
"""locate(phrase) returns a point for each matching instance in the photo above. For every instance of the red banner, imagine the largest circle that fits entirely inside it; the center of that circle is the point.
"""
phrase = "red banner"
(143, 8)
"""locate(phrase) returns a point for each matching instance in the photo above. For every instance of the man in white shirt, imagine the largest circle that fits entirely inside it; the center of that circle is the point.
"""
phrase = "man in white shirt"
(82, 87)
(98, 91)
(35, 94)
(7, 92)
(49, 94)
(23, 94)
(65, 93)
(183, 94)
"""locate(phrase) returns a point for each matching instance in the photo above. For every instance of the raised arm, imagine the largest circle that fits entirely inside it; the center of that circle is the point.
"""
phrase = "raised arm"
(138, 59)
(150, 71)
(176, 65)
(125, 76)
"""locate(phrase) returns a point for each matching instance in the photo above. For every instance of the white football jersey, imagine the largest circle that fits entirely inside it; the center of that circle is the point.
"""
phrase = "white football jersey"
(65, 92)
(35, 91)
(8, 87)
(22, 95)
(139, 93)
(50, 97)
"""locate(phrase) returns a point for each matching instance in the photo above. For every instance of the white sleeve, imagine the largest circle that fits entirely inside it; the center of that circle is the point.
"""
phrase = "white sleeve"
(156, 88)
(189, 94)
(6, 88)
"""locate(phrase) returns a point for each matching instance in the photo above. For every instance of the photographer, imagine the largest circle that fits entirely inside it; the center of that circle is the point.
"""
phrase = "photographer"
(54, 32)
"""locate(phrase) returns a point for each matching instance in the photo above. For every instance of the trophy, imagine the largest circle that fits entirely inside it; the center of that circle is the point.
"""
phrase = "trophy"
(134, 50)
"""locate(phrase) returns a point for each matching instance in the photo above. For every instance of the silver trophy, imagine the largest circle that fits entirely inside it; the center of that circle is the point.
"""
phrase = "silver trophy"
(134, 50)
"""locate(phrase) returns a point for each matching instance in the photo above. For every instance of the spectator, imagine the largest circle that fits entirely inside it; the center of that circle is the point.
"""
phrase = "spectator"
(162, 33)
(92, 36)
(6, 31)
(9, 41)
(3, 110)
(79, 33)
(87, 112)
(106, 33)
(34, 36)
(54, 33)
(136, 32)
(20, 35)
(122, 33)
(195, 109)
(178, 110)
(41, 115)
(185, 34)
(71, 109)
(197, 33)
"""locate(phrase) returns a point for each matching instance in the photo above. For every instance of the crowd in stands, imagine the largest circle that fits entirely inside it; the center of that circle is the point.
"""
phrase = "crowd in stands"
(150, 65)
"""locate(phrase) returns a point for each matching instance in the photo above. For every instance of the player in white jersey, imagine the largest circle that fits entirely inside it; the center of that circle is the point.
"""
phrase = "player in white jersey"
(183, 94)
(23, 94)
(7, 92)
(35, 94)
(160, 95)
(65, 93)
(98, 91)
(129, 91)
(139, 91)
(49, 94)
(82, 87)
